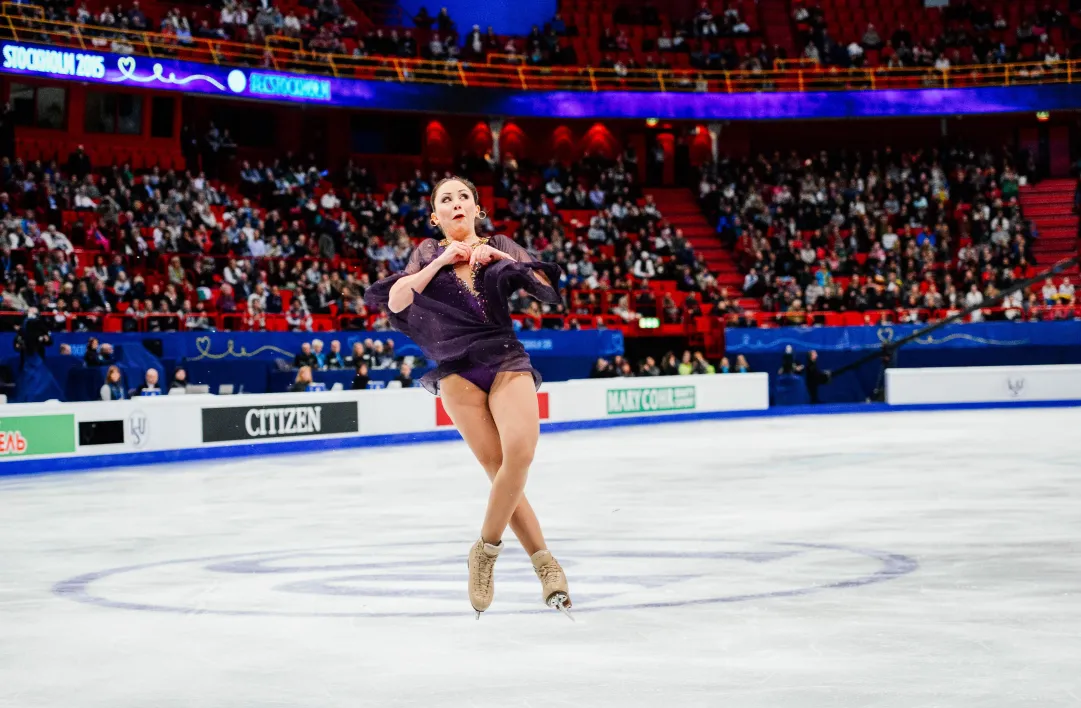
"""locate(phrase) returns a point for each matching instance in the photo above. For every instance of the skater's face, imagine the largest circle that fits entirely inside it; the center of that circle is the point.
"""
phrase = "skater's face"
(455, 209)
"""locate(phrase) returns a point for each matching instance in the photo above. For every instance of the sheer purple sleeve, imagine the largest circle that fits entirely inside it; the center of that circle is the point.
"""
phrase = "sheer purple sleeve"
(378, 295)
(525, 271)
(510, 246)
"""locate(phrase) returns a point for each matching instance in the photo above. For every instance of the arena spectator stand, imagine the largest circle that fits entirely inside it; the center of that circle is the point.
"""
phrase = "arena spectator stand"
(904, 33)
(290, 247)
(877, 238)
(235, 256)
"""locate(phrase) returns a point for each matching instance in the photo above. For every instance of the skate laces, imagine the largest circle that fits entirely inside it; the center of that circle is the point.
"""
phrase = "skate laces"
(550, 573)
(483, 578)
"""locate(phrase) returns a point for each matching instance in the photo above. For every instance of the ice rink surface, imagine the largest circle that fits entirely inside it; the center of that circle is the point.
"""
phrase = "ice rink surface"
(905, 560)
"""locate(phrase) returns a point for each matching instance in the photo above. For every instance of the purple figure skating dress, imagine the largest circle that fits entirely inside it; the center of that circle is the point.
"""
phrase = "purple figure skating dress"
(468, 331)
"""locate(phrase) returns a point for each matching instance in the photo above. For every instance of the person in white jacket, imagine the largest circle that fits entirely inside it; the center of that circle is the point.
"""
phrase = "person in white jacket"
(644, 268)
(972, 298)
(56, 241)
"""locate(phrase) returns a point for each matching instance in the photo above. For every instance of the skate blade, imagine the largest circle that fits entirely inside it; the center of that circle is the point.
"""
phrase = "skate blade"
(559, 601)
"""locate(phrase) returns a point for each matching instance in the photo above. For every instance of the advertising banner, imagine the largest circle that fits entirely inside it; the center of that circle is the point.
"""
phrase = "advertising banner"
(658, 399)
(22, 436)
(279, 421)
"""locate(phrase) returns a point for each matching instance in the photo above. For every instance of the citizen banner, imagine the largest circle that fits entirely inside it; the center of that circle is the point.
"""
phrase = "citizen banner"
(280, 421)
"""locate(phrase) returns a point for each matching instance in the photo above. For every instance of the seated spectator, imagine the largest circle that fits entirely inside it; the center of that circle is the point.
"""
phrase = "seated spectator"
(602, 369)
(93, 356)
(701, 365)
(405, 376)
(303, 380)
(686, 364)
(1066, 292)
(298, 319)
(149, 384)
(113, 388)
(180, 379)
(305, 358)
(380, 359)
(871, 38)
(318, 354)
(357, 356)
(1050, 292)
(360, 380)
(334, 359)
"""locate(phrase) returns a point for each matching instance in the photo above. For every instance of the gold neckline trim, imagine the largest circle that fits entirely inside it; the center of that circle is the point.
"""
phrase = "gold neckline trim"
(446, 242)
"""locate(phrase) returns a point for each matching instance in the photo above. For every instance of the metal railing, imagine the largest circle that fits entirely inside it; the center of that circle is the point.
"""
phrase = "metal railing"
(21, 23)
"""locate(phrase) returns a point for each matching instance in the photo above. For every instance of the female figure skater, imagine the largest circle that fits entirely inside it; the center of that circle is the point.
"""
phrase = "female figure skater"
(451, 299)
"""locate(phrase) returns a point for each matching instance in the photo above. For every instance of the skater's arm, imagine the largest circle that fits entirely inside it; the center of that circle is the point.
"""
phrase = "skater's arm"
(401, 293)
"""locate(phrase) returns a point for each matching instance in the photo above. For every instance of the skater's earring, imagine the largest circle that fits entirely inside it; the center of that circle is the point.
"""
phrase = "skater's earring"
(482, 215)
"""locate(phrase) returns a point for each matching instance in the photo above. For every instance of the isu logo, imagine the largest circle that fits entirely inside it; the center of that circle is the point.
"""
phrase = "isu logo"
(1015, 386)
(442, 419)
(139, 428)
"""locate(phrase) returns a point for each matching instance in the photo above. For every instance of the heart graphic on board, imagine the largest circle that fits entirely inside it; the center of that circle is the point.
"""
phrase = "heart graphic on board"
(126, 65)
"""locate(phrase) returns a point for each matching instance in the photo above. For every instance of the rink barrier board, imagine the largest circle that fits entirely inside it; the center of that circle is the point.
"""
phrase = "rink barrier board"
(167, 428)
(29, 466)
(983, 384)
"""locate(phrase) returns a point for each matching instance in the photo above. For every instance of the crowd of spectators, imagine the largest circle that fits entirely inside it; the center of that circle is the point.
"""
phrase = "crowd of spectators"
(291, 242)
(365, 357)
(971, 35)
(688, 364)
(324, 27)
(860, 232)
(174, 246)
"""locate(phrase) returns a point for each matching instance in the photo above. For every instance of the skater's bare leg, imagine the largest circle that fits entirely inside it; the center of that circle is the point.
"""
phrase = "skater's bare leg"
(513, 403)
(467, 406)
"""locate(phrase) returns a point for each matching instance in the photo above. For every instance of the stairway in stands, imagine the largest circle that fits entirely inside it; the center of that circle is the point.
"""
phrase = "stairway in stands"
(681, 210)
(1049, 205)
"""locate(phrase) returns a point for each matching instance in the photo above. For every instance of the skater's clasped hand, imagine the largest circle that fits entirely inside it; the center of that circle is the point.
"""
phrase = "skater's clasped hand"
(456, 252)
(485, 254)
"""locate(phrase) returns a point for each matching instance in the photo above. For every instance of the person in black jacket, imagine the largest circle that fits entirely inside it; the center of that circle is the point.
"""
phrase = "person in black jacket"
(360, 381)
(32, 337)
(815, 377)
(305, 357)
(93, 353)
(405, 376)
(180, 379)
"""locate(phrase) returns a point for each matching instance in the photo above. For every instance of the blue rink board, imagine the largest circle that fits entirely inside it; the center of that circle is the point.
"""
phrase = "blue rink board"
(79, 464)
